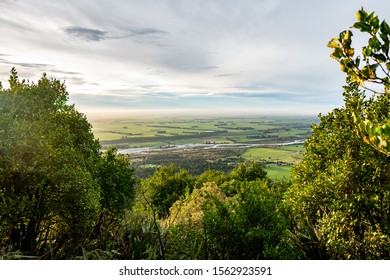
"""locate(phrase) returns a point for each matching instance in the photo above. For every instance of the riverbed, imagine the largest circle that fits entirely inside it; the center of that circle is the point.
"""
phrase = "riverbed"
(186, 147)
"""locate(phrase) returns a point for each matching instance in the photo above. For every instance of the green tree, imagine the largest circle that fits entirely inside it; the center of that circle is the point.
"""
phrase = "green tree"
(210, 176)
(187, 237)
(244, 172)
(251, 225)
(117, 183)
(49, 196)
(340, 190)
(370, 71)
(163, 188)
(248, 172)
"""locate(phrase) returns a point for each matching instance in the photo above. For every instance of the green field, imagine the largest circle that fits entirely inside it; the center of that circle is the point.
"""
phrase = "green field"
(280, 153)
(278, 172)
(135, 132)
(125, 132)
(278, 159)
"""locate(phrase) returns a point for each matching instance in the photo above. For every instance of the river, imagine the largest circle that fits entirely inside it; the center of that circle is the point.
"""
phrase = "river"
(186, 147)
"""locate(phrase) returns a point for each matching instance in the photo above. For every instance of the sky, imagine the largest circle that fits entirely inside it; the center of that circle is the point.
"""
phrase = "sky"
(182, 56)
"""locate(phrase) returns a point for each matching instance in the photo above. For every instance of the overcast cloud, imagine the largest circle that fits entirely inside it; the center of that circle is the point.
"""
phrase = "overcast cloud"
(258, 56)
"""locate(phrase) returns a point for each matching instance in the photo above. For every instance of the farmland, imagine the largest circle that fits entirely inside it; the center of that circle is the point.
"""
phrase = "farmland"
(201, 143)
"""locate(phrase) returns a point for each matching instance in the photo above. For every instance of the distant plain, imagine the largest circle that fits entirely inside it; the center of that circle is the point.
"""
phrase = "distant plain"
(199, 143)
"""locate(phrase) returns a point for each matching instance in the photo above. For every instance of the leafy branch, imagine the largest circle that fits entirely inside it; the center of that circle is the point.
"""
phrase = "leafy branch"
(369, 71)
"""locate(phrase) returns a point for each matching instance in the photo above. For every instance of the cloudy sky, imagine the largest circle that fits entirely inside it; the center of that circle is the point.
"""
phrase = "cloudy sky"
(250, 56)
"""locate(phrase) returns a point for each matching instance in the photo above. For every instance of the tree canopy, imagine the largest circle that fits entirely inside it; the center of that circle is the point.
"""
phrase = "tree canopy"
(340, 191)
(52, 174)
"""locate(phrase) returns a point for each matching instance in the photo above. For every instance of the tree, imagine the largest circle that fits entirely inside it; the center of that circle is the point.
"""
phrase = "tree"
(340, 190)
(369, 71)
(244, 172)
(49, 194)
(187, 236)
(164, 188)
(248, 172)
(208, 176)
(116, 180)
(251, 225)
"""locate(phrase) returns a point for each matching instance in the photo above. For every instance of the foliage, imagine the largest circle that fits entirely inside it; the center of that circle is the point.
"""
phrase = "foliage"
(163, 188)
(341, 189)
(140, 239)
(117, 184)
(185, 222)
(252, 225)
(48, 194)
(210, 176)
(244, 172)
(248, 172)
(308, 240)
(370, 71)
(189, 210)
(186, 242)
(248, 223)
(56, 188)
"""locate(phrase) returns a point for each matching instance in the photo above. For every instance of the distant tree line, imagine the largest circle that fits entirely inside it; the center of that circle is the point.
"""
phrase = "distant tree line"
(262, 136)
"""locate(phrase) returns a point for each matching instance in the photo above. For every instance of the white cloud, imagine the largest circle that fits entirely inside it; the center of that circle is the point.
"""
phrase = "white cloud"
(186, 48)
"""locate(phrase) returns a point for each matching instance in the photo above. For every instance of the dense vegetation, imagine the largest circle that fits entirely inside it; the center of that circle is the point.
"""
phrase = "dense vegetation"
(61, 197)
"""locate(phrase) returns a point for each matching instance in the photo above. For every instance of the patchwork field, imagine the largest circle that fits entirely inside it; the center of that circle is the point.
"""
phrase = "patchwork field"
(278, 160)
(199, 143)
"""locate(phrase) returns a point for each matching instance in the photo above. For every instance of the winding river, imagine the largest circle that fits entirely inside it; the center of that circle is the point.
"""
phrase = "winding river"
(186, 147)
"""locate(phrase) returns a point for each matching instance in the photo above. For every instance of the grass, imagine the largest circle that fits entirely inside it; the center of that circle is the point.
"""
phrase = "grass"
(235, 128)
(285, 154)
(278, 172)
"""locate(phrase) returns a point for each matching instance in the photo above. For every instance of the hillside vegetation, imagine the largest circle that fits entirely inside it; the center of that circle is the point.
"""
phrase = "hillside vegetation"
(63, 196)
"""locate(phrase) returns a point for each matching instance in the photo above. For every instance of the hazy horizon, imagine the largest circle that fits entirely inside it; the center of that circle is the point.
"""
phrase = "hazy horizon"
(102, 114)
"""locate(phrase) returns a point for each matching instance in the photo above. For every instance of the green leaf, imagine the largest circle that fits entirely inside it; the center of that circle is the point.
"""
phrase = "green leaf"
(385, 39)
(367, 51)
(374, 22)
(361, 15)
(384, 28)
(364, 27)
(370, 17)
(337, 53)
(365, 71)
(386, 128)
(380, 57)
(348, 65)
(374, 66)
(357, 61)
(374, 44)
